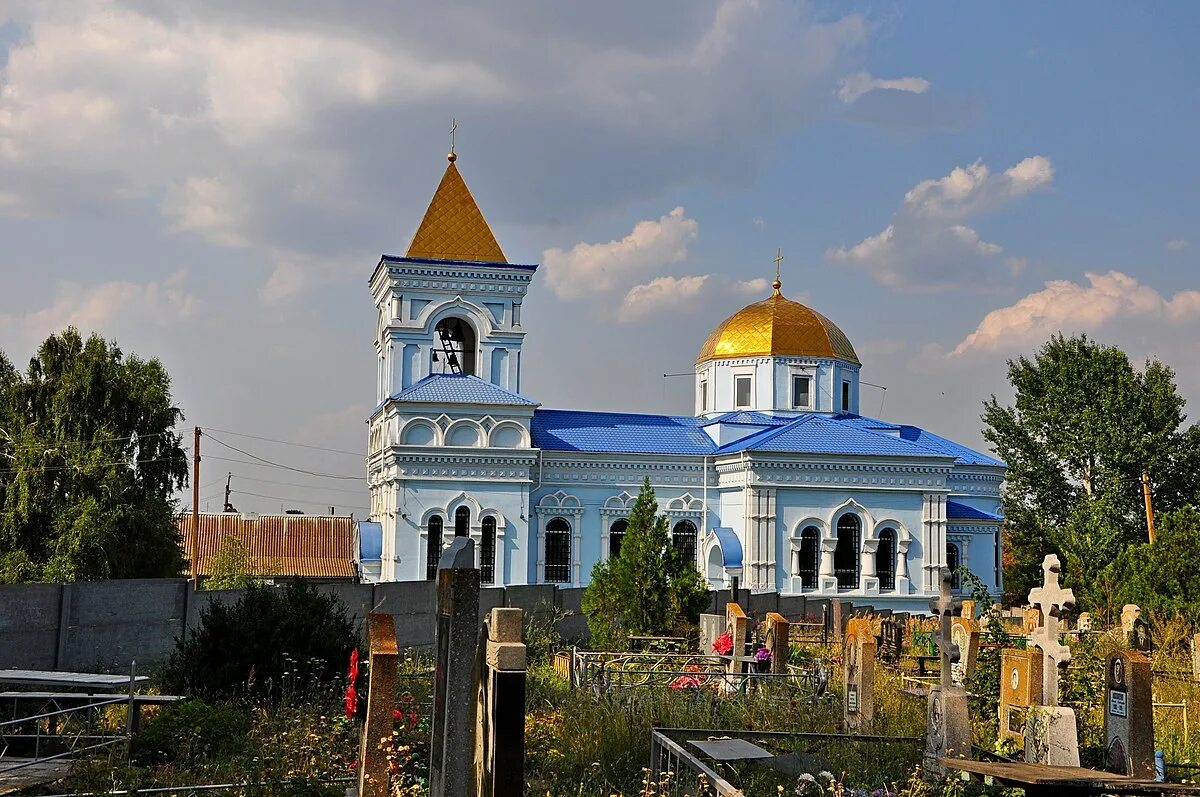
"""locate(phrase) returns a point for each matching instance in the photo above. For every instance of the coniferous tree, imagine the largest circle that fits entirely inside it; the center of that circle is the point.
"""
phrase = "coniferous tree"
(648, 588)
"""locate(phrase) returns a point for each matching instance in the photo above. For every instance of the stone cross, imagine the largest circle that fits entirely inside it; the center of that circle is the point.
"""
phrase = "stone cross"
(1050, 598)
(944, 607)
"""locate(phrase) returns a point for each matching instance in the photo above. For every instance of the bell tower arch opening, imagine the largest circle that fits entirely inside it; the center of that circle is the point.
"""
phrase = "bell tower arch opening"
(455, 347)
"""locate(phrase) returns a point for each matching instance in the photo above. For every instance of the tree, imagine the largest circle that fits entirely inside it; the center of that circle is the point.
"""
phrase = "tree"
(89, 465)
(1163, 577)
(649, 588)
(1084, 428)
(232, 567)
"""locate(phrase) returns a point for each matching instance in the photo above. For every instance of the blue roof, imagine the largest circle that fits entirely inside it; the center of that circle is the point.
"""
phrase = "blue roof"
(915, 434)
(370, 541)
(750, 418)
(618, 432)
(731, 547)
(815, 434)
(438, 261)
(957, 511)
(459, 389)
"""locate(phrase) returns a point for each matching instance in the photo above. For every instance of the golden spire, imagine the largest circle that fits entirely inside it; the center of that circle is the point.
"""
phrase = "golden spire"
(778, 259)
(454, 228)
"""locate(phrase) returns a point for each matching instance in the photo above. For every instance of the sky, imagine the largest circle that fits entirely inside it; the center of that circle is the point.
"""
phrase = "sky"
(212, 184)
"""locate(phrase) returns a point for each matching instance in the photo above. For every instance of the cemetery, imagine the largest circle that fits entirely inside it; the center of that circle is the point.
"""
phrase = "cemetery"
(970, 697)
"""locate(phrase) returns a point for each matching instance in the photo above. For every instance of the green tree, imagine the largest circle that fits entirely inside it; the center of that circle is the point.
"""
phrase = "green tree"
(1163, 577)
(232, 567)
(1084, 427)
(89, 465)
(648, 588)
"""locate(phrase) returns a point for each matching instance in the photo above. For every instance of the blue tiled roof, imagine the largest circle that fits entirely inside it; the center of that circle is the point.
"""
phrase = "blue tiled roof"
(914, 434)
(459, 389)
(731, 547)
(815, 434)
(398, 259)
(618, 432)
(957, 511)
(750, 418)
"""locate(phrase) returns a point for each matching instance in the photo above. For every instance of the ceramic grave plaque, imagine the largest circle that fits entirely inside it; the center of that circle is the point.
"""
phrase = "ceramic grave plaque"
(858, 674)
(1129, 715)
(1020, 688)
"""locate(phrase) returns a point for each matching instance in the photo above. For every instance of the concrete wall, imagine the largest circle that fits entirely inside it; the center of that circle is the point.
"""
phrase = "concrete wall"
(105, 625)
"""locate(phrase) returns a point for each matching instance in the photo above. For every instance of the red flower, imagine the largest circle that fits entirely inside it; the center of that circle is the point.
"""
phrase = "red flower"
(351, 702)
(354, 667)
(397, 715)
(723, 645)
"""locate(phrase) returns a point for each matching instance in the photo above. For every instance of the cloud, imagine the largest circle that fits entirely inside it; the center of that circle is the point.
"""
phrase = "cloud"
(1177, 245)
(1068, 307)
(929, 246)
(854, 86)
(754, 286)
(661, 294)
(587, 269)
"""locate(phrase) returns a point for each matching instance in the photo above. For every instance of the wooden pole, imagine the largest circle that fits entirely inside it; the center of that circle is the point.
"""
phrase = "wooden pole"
(195, 546)
(1149, 506)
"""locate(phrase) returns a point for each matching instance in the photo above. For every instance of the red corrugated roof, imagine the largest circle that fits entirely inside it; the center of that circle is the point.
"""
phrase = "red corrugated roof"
(314, 546)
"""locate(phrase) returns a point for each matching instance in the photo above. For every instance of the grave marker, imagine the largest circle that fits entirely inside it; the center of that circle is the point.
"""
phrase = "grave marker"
(1031, 620)
(1140, 639)
(1129, 613)
(711, 627)
(891, 639)
(500, 707)
(1196, 657)
(1051, 735)
(777, 640)
(948, 725)
(966, 637)
(1129, 715)
(384, 658)
(738, 626)
(858, 675)
(1084, 623)
(1020, 688)
(452, 749)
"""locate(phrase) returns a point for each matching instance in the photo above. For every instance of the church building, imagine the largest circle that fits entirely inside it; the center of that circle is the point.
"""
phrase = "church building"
(775, 479)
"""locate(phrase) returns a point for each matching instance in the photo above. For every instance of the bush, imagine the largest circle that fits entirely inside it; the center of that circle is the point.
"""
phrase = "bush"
(273, 644)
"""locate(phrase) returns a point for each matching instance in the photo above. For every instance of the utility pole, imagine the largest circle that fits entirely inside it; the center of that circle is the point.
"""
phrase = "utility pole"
(228, 506)
(1149, 505)
(194, 555)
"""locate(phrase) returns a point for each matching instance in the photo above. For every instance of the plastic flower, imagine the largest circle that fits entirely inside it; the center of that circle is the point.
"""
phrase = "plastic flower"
(723, 645)
(762, 655)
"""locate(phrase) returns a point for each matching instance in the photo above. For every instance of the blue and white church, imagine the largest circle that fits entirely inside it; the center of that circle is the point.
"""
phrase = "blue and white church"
(776, 479)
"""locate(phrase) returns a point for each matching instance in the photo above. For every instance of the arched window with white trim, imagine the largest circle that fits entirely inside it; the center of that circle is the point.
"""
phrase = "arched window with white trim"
(558, 551)
(683, 537)
(435, 547)
(846, 554)
(952, 562)
(885, 559)
(808, 557)
(616, 533)
(487, 551)
(462, 522)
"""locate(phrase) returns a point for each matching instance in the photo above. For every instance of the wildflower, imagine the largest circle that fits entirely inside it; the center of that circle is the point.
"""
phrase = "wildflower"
(824, 773)
(808, 778)
(723, 645)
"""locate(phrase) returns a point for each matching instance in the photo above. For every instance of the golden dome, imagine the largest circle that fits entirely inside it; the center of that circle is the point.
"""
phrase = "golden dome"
(777, 327)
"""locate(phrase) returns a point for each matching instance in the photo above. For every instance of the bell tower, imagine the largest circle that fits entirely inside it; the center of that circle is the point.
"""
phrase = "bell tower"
(452, 303)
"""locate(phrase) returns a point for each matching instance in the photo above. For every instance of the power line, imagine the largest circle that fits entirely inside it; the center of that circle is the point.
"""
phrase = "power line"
(303, 486)
(293, 500)
(358, 454)
(281, 465)
(48, 468)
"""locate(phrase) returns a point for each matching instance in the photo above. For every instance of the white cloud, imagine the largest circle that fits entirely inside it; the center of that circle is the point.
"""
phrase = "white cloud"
(1069, 307)
(659, 295)
(587, 269)
(929, 246)
(854, 86)
(1177, 245)
(754, 286)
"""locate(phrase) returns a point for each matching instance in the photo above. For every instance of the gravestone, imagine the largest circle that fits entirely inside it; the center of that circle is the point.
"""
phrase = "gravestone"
(711, 627)
(1140, 638)
(837, 613)
(891, 639)
(1020, 688)
(1031, 620)
(738, 626)
(500, 707)
(1129, 613)
(456, 637)
(858, 675)
(968, 609)
(777, 640)
(1084, 623)
(1129, 715)
(948, 724)
(384, 657)
(1196, 657)
(966, 636)
(1051, 735)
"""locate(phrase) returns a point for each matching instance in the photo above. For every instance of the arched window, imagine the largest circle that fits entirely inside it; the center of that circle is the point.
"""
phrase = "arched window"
(807, 558)
(952, 563)
(435, 547)
(885, 559)
(462, 522)
(845, 556)
(616, 533)
(683, 537)
(487, 551)
(558, 551)
(453, 347)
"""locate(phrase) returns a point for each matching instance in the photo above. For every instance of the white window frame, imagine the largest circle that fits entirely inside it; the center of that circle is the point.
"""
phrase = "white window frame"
(808, 405)
(750, 397)
(846, 395)
(704, 395)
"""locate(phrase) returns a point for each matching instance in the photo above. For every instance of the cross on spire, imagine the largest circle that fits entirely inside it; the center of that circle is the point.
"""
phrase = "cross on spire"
(945, 606)
(1051, 598)
(453, 127)
(778, 259)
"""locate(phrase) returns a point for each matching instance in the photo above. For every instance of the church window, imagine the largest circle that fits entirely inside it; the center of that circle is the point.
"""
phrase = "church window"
(616, 533)
(453, 347)
(435, 547)
(845, 395)
(558, 551)
(741, 391)
(487, 551)
(704, 395)
(952, 562)
(801, 392)
(845, 555)
(683, 537)
(462, 521)
(885, 559)
(807, 557)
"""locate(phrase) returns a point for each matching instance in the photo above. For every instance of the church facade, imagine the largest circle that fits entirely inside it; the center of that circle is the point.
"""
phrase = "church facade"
(775, 480)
